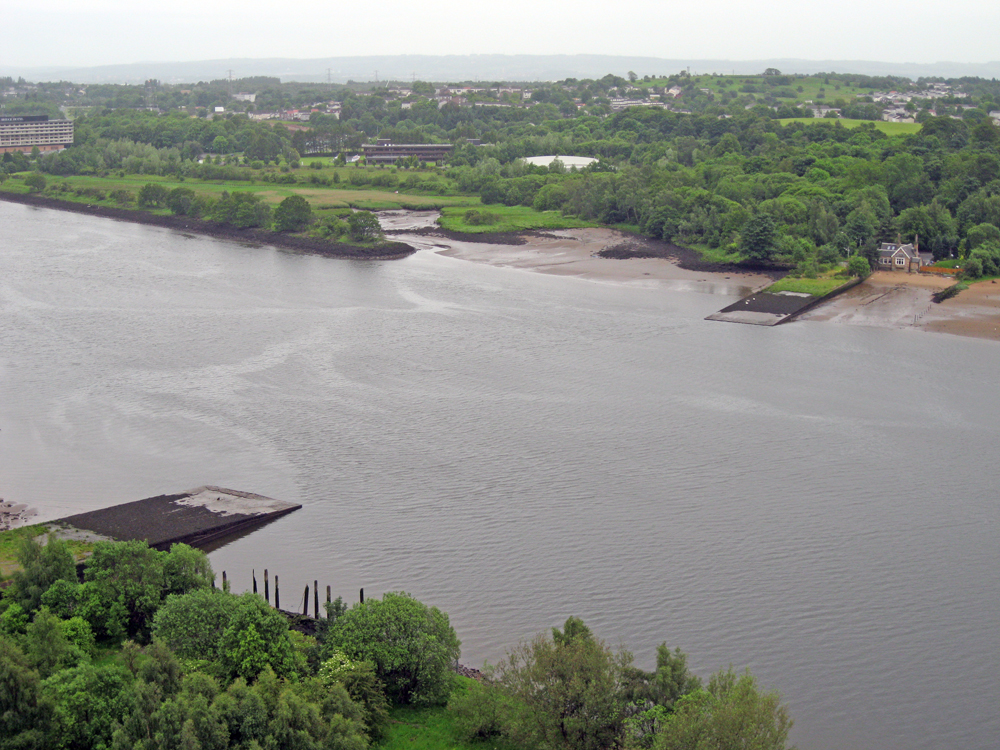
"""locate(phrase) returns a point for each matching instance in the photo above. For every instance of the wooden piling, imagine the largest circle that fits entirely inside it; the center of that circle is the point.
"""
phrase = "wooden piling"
(267, 591)
(225, 583)
(362, 593)
(305, 602)
(277, 605)
(316, 599)
(253, 574)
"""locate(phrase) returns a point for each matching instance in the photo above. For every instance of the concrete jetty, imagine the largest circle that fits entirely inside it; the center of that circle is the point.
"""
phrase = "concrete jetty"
(195, 517)
(764, 308)
(772, 308)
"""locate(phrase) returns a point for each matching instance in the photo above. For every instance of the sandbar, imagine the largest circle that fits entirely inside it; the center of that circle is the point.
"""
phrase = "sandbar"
(573, 252)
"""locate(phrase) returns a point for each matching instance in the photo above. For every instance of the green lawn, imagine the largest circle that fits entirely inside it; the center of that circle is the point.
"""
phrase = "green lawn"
(716, 254)
(430, 729)
(824, 284)
(511, 219)
(889, 128)
(319, 196)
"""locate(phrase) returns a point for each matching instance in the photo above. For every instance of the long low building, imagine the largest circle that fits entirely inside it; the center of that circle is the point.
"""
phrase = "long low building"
(387, 152)
(25, 132)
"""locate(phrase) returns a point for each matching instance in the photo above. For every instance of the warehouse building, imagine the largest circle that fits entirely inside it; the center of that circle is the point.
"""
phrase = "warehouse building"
(25, 132)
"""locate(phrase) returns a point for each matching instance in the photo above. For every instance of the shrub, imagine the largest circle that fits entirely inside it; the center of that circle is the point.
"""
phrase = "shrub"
(412, 646)
(364, 687)
(858, 266)
(35, 182)
(152, 195)
(181, 201)
(480, 218)
(122, 197)
(364, 226)
(192, 624)
(256, 638)
(293, 214)
(40, 568)
(973, 268)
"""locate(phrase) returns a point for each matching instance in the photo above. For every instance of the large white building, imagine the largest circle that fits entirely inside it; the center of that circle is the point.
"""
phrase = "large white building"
(25, 132)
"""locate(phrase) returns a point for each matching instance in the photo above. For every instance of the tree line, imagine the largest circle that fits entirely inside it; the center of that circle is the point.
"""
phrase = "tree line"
(694, 179)
(143, 652)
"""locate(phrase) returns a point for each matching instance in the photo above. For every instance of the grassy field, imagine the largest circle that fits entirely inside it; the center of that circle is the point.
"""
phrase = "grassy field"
(10, 541)
(813, 89)
(322, 198)
(430, 729)
(510, 219)
(889, 128)
(319, 196)
(716, 254)
(823, 284)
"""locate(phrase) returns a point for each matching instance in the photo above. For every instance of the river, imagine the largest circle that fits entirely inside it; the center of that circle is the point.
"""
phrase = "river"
(815, 502)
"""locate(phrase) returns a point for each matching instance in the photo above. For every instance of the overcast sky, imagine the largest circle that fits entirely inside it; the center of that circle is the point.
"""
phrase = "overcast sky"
(98, 32)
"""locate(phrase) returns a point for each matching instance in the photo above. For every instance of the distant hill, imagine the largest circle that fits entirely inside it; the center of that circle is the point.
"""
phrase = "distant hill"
(477, 68)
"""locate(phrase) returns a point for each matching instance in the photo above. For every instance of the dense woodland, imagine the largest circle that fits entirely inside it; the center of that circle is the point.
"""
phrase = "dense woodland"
(730, 181)
(142, 652)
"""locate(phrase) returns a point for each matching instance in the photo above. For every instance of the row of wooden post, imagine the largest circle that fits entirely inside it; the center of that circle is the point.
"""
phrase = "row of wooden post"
(277, 602)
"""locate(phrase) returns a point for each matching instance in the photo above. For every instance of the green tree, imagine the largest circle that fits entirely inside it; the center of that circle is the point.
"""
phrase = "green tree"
(186, 569)
(733, 713)
(41, 566)
(35, 182)
(180, 200)
(564, 691)
(364, 226)
(89, 701)
(152, 195)
(758, 237)
(362, 684)
(980, 234)
(412, 646)
(858, 265)
(293, 214)
(192, 624)
(860, 225)
(123, 587)
(25, 712)
(256, 638)
(46, 644)
(241, 209)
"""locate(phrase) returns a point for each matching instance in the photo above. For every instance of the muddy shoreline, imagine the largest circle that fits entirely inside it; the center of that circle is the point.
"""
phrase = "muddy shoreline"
(896, 300)
(305, 245)
(685, 257)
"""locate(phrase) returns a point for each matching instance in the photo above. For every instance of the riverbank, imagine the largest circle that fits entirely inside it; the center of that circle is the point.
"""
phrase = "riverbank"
(13, 515)
(584, 254)
(903, 301)
(298, 244)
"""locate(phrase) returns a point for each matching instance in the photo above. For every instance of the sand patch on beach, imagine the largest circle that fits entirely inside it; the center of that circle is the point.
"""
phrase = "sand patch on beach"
(573, 252)
(898, 300)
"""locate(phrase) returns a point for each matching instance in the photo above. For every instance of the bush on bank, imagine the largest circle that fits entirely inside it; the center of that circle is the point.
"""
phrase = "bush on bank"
(145, 654)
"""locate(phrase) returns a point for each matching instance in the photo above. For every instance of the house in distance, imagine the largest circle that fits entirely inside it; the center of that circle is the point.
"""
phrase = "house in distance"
(893, 256)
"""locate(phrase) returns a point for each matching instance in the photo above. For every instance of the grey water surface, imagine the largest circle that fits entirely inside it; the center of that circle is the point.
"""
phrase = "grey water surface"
(815, 502)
